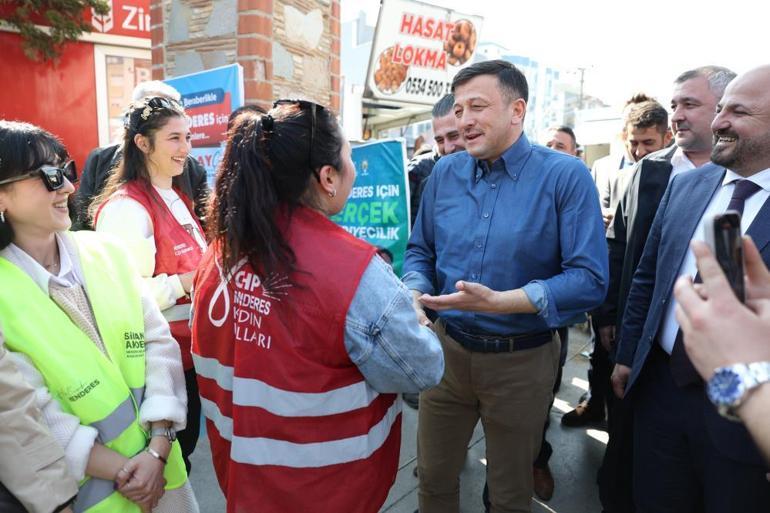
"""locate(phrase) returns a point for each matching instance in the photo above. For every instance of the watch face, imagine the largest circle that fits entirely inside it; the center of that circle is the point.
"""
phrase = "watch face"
(725, 387)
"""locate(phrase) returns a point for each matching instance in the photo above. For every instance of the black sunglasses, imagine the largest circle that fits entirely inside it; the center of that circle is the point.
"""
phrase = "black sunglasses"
(52, 176)
(312, 107)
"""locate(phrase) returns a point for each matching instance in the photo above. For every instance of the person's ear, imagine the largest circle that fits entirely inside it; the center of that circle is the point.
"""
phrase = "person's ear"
(518, 110)
(142, 143)
(328, 179)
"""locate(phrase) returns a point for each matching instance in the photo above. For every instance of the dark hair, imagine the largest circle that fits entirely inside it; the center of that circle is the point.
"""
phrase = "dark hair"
(648, 114)
(243, 109)
(25, 147)
(639, 98)
(443, 106)
(267, 167)
(144, 117)
(567, 130)
(716, 76)
(512, 82)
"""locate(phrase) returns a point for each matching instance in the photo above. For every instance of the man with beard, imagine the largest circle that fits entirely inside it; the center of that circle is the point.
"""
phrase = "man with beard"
(693, 105)
(686, 456)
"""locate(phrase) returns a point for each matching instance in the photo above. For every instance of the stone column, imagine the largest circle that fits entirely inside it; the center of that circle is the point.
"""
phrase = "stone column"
(288, 49)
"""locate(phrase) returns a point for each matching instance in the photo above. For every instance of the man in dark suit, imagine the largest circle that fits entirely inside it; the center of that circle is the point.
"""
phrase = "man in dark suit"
(693, 105)
(102, 161)
(686, 457)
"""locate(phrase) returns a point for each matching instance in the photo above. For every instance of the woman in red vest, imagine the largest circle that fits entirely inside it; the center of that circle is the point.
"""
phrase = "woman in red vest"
(302, 336)
(143, 205)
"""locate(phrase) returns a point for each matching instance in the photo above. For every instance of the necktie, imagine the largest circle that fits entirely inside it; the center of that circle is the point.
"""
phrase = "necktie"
(681, 368)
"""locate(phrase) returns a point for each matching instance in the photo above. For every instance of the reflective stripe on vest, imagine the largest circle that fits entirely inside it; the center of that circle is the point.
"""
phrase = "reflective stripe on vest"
(253, 392)
(267, 451)
(92, 493)
(113, 425)
(138, 394)
(103, 390)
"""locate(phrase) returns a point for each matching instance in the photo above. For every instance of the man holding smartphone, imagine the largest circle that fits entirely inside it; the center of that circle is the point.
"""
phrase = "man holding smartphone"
(685, 454)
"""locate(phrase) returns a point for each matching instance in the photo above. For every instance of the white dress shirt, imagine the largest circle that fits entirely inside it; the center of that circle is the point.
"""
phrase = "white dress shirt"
(718, 205)
(679, 163)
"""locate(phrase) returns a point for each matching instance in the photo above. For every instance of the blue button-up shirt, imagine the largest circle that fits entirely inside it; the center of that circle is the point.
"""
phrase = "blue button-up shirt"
(531, 220)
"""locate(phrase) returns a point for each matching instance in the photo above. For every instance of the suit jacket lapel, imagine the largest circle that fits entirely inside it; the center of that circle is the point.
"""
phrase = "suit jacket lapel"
(760, 227)
(687, 212)
(694, 202)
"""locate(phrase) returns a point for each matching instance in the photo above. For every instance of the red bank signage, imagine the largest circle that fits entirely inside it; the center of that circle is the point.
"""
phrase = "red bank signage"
(126, 18)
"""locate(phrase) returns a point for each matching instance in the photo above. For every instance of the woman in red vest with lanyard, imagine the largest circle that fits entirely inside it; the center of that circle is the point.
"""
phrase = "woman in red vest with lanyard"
(302, 336)
(88, 337)
(143, 205)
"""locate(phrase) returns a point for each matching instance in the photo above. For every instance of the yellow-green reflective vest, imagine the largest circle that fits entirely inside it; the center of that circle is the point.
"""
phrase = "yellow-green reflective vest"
(105, 393)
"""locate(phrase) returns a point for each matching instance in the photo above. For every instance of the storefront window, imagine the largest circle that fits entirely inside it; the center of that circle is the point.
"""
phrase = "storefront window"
(118, 71)
(123, 74)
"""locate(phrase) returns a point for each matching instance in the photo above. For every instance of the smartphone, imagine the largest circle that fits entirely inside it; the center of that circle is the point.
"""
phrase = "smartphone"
(723, 235)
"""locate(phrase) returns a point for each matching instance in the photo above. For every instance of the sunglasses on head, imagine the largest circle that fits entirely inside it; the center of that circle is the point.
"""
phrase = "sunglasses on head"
(52, 176)
(312, 107)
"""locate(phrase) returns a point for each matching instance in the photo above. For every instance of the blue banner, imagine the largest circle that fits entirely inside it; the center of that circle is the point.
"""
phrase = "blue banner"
(208, 98)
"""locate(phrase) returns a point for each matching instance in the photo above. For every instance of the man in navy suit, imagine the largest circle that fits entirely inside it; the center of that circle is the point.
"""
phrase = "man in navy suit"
(687, 458)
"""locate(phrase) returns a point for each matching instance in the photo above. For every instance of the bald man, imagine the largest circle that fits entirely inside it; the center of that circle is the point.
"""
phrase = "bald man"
(686, 456)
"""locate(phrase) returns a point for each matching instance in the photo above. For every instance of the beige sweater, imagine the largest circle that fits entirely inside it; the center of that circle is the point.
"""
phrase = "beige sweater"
(30, 458)
(165, 395)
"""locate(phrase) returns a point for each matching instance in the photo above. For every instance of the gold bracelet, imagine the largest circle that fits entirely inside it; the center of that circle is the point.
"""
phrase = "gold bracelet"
(155, 454)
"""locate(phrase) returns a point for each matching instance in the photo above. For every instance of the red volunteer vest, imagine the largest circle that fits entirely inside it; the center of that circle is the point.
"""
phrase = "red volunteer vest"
(293, 425)
(176, 251)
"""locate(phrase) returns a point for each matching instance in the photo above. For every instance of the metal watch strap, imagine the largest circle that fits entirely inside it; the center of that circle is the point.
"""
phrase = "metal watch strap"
(166, 432)
(760, 374)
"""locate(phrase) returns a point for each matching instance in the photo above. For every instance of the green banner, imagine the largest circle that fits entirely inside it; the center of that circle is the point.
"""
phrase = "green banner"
(377, 210)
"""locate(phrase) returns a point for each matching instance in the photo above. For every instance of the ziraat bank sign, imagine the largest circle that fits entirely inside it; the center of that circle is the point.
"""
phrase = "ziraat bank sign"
(126, 18)
(418, 49)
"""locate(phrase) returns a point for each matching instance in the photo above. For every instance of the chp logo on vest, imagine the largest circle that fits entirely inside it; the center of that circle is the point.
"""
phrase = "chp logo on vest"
(246, 284)
(126, 18)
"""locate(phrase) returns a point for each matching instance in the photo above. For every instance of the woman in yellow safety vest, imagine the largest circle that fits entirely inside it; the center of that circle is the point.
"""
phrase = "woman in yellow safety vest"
(86, 334)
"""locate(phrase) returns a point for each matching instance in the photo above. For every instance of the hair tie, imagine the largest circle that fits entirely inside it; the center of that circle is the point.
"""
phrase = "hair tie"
(267, 123)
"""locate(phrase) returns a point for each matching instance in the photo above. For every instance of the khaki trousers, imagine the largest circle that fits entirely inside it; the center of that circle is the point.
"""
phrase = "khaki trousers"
(511, 393)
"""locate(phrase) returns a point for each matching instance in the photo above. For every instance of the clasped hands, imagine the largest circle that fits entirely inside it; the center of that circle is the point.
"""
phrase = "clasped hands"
(141, 480)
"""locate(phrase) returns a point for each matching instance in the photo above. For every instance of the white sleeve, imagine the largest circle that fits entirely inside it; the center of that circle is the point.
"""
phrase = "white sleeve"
(128, 220)
(165, 396)
(76, 440)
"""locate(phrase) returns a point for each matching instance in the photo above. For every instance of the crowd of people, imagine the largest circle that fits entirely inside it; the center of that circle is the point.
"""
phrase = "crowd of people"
(296, 341)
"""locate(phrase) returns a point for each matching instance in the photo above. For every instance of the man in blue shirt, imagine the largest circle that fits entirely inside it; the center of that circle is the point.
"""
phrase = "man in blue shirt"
(508, 245)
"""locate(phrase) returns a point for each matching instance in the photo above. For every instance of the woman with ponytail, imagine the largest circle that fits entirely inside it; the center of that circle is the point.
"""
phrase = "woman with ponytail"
(302, 336)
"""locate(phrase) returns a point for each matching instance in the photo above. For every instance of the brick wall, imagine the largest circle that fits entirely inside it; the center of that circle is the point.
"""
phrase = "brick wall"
(288, 48)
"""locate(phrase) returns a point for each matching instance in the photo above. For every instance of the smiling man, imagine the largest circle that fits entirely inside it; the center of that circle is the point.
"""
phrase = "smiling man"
(507, 246)
(695, 95)
(685, 455)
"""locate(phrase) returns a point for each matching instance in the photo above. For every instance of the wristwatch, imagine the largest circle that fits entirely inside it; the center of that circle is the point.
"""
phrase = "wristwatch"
(167, 432)
(729, 386)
